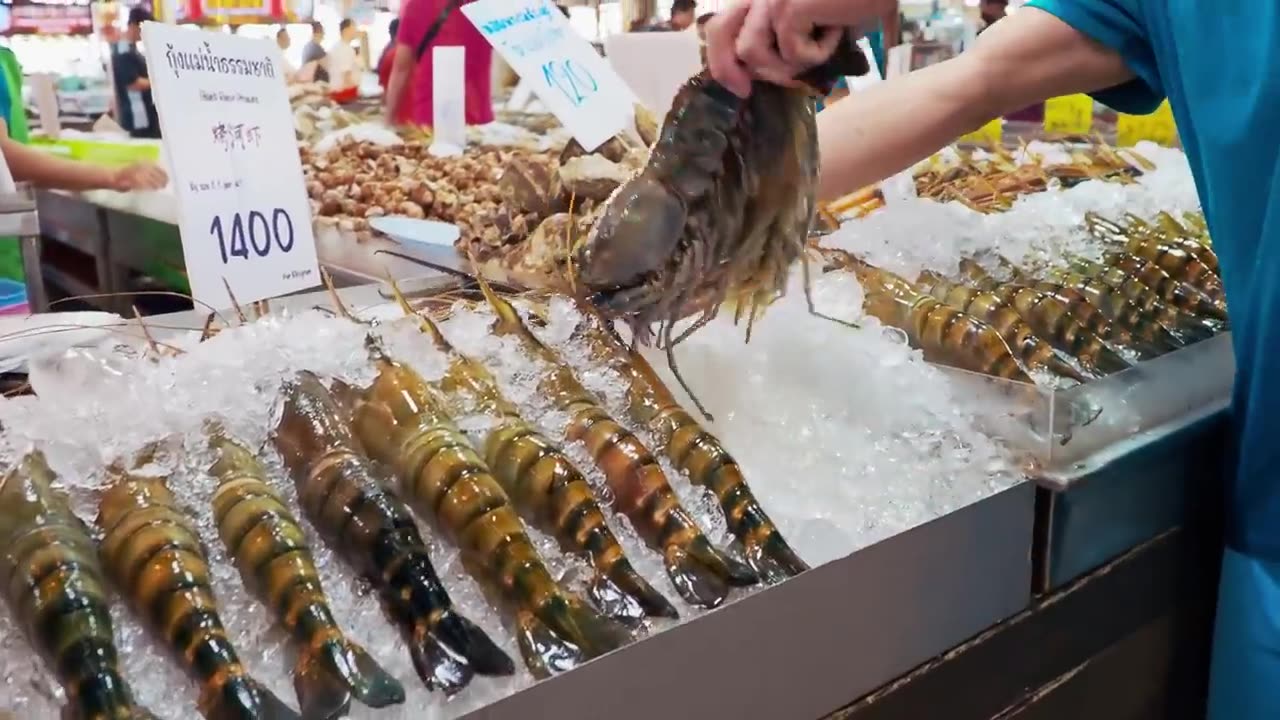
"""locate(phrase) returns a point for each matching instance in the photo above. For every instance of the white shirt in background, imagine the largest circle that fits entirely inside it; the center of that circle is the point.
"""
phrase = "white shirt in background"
(342, 64)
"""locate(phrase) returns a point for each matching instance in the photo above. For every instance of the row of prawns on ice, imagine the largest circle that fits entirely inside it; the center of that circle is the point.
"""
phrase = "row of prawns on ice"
(334, 442)
(1155, 289)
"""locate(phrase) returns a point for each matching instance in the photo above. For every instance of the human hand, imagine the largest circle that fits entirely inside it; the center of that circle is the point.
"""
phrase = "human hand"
(138, 176)
(776, 40)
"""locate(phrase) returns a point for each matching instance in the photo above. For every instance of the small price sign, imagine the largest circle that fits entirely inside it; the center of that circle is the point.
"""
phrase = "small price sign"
(1069, 115)
(990, 134)
(1158, 127)
(449, 99)
(568, 75)
(228, 133)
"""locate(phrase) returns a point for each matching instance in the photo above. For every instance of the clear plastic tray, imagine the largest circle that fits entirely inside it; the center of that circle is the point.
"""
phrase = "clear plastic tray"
(1060, 430)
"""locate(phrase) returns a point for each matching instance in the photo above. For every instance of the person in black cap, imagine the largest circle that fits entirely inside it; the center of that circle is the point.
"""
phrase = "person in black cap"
(135, 110)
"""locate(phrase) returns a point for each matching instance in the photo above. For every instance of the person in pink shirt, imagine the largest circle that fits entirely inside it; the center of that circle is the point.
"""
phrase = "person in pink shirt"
(425, 24)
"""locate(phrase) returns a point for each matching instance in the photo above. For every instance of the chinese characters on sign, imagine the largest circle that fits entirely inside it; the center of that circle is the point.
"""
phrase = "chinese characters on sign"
(236, 136)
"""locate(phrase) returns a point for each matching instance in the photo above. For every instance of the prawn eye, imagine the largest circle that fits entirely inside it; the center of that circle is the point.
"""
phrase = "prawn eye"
(636, 236)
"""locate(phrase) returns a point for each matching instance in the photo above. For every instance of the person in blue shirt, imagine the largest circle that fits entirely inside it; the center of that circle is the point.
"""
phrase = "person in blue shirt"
(1216, 63)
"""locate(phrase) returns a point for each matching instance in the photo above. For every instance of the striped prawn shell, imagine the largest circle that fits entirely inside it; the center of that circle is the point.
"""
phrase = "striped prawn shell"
(696, 452)
(269, 549)
(373, 530)
(1182, 294)
(1018, 334)
(1052, 319)
(155, 556)
(1117, 308)
(1183, 263)
(53, 583)
(639, 485)
(957, 338)
(450, 485)
(548, 488)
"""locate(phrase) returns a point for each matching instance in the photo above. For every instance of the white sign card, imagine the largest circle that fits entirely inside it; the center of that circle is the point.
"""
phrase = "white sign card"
(654, 64)
(46, 96)
(567, 73)
(448, 100)
(228, 134)
(897, 60)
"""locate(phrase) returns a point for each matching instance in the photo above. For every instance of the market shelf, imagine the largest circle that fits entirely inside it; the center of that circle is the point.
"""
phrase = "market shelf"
(818, 641)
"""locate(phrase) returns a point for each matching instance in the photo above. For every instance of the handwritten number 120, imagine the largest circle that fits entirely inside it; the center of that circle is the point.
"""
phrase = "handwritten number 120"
(575, 82)
(259, 232)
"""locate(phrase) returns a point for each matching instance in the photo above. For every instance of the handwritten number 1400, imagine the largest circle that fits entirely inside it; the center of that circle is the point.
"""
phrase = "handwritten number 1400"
(573, 81)
(260, 233)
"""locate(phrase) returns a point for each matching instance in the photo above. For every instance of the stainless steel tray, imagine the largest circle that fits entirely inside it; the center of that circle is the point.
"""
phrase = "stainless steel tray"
(819, 641)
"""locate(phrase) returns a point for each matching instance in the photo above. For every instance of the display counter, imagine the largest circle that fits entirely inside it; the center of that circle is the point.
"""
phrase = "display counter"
(803, 648)
(117, 236)
(942, 614)
(1118, 460)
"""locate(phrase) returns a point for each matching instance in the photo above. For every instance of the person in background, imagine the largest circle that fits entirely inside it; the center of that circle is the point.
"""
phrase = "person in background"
(683, 13)
(46, 170)
(12, 111)
(1217, 73)
(313, 54)
(50, 171)
(283, 42)
(425, 24)
(991, 12)
(341, 62)
(135, 108)
(388, 55)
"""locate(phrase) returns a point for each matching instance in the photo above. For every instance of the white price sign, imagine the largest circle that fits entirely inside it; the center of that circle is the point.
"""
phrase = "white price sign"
(568, 75)
(898, 60)
(228, 134)
(449, 100)
(654, 64)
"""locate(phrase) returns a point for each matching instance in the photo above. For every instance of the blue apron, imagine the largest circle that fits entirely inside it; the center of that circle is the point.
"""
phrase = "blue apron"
(1216, 62)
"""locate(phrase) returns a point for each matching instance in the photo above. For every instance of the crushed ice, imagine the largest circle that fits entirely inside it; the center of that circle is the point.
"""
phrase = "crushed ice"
(846, 436)
(921, 234)
(836, 472)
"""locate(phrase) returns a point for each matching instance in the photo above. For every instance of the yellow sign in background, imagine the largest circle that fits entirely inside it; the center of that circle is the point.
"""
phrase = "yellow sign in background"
(1158, 127)
(1069, 115)
(990, 134)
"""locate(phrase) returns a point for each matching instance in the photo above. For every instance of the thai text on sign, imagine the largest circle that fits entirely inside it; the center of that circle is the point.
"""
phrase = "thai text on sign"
(243, 211)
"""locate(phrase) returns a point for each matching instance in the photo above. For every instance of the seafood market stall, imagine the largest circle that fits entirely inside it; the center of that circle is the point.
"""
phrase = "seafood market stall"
(918, 532)
(1129, 466)
(549, 518)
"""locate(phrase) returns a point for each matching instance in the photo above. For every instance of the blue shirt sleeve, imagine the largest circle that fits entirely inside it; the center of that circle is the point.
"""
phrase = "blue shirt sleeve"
(1120, 26)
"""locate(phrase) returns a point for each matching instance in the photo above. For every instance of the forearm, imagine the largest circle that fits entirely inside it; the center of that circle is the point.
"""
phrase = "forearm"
(397, 82)
(1023, 59)
(49, 171)
(894, 124)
